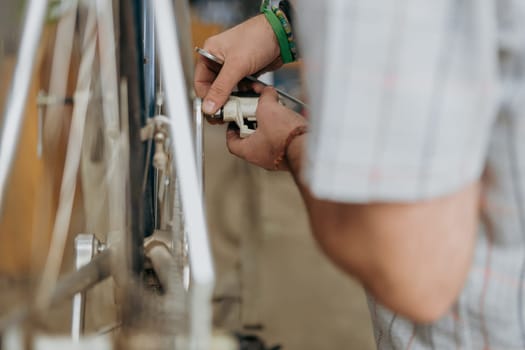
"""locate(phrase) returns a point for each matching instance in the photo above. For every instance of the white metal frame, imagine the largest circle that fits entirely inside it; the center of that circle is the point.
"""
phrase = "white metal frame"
(19, 89)
(202, 274)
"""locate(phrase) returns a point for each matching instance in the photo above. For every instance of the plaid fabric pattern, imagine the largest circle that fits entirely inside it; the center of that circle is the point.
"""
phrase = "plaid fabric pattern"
(413, 100)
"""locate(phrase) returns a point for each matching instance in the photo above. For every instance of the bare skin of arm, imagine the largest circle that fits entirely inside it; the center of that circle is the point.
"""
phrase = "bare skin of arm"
(412, 257)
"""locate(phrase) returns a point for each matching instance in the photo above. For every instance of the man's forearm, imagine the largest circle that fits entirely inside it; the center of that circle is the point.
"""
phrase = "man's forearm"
(413, 257)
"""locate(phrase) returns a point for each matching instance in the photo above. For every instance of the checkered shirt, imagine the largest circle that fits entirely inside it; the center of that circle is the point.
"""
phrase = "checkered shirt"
(414, 99)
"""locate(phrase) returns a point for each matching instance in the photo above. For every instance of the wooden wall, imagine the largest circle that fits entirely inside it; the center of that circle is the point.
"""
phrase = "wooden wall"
(31, 198)
(16, 223)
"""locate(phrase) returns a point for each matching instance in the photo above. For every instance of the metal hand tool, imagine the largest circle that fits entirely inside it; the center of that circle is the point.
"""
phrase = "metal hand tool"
(220, 62)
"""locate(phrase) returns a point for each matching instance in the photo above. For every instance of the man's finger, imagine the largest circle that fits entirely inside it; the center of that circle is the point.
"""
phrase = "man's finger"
(268, 94)
(234, 142)
(222, 87)
(258, 87)
(204, 77)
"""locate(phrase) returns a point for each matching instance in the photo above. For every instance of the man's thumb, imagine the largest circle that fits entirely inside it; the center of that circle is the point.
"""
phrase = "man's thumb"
(221, 88)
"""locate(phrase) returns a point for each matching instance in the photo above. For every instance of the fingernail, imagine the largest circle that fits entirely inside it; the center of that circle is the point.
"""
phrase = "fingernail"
(208, 107)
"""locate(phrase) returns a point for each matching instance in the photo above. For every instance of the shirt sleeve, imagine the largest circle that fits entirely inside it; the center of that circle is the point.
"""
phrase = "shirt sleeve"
(402, 95)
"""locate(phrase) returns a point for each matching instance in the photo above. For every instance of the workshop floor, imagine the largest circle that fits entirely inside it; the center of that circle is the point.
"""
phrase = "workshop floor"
(271, 275)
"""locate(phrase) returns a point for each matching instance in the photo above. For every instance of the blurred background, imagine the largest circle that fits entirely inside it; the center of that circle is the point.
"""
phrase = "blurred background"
(272, 279)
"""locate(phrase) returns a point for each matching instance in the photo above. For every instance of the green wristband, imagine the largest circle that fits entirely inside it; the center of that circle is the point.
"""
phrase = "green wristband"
(281, 35)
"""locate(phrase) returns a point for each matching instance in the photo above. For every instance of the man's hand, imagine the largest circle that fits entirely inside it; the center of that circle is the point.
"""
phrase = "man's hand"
(249, 48)
(275, 122)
